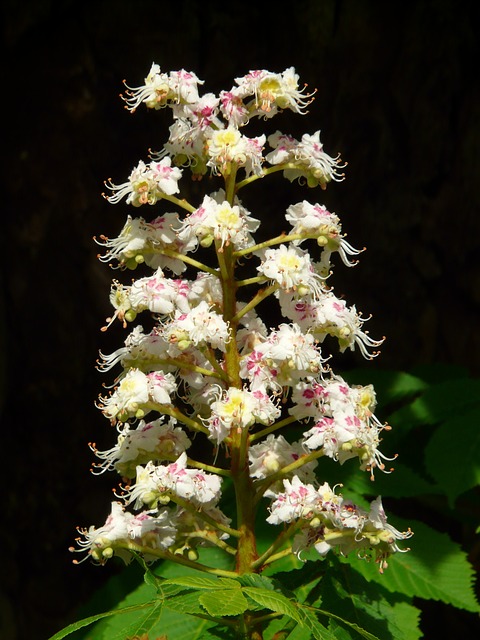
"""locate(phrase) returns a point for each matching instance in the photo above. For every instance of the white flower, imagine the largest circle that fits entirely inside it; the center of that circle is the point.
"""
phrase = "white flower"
(275, 453)
(228, 147)
(142, 242)
(154, 92)
(100, 542)
(299, 500)
(159, 294)
(156, 483)
(314, 220)
(232, 409)
(272, 92)
(292, 269)
(329, 315)
(219, 221)
(147, 184)
(141, 351)
(129, 396)
(160, 88)
(345, 425)
(132, 240)
(186, 144)
(184, 85)
(306, 157)
(155, 532)
(149, 441)
(135, 391)
(233, 108)
(161, 387)
(165, 176)
(286, 356)
(201, 325)
(208, 288)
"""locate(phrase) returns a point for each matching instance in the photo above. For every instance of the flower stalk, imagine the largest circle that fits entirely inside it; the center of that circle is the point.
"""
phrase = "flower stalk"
(262, 400)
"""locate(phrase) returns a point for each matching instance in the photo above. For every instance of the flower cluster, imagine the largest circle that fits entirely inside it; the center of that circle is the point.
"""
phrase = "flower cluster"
(206, 368)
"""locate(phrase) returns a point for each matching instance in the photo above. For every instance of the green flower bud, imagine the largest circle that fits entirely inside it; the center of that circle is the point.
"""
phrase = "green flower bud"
(130, 315)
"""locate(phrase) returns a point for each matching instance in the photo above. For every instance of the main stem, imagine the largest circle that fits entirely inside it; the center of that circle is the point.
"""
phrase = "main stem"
(239, 438)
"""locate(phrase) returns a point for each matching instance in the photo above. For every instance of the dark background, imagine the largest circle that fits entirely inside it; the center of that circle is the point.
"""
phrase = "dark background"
(398, 96)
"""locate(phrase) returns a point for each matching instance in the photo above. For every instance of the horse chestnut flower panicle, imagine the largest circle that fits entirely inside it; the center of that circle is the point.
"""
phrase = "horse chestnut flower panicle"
(216, 378)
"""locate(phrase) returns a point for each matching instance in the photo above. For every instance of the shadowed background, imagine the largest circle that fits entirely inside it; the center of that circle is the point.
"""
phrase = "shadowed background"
(398, 95)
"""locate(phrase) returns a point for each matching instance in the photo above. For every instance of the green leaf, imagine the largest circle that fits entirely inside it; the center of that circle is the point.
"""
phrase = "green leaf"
(274, 601)
(80, 624)
(435, 373)
(402, 482)
(438, 403)
(179, 626)
(209, 556)
(316, 628)
(452, 455)
(187, 603)
(204, 582)
(436, 568)
(368, 609)
(231, 602)
(256, 580)
(133, 621)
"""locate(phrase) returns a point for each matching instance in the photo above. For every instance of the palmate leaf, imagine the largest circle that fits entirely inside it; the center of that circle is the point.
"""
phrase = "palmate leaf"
(186, 602)
(228, 602)
(439, 403)
(315, 627)
(436, 568)
(403, 621)
(403, 482)
(366, 609)
(172, 620)
(452, 455)
(145, 594)
(274, 601)
(85, 622)
(311, 627)
(203, 582)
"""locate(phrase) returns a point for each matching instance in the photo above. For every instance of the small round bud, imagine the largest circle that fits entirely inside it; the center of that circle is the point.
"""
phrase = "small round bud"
(107, 553)
(192, 554)
(130, 315)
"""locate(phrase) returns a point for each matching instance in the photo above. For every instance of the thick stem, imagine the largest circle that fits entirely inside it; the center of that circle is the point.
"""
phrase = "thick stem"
(239, 438)
(246, 508)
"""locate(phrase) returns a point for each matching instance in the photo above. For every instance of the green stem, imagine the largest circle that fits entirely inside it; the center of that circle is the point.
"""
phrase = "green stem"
(273, 427)
(188, 260)
(261, 295)
(209, 353)
(266, 172)
(172, 411)
(180, 202)
(188, 506)
(212, 538)
(209, 468)
(167, 555)
(278, 556)
(176, 362)
(238, 441)
(280, 540)
(283, 237)
(254, 280)
(263, 485)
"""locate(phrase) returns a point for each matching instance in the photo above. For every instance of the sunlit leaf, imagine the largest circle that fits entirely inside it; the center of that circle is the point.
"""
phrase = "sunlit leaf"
(436, 568)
